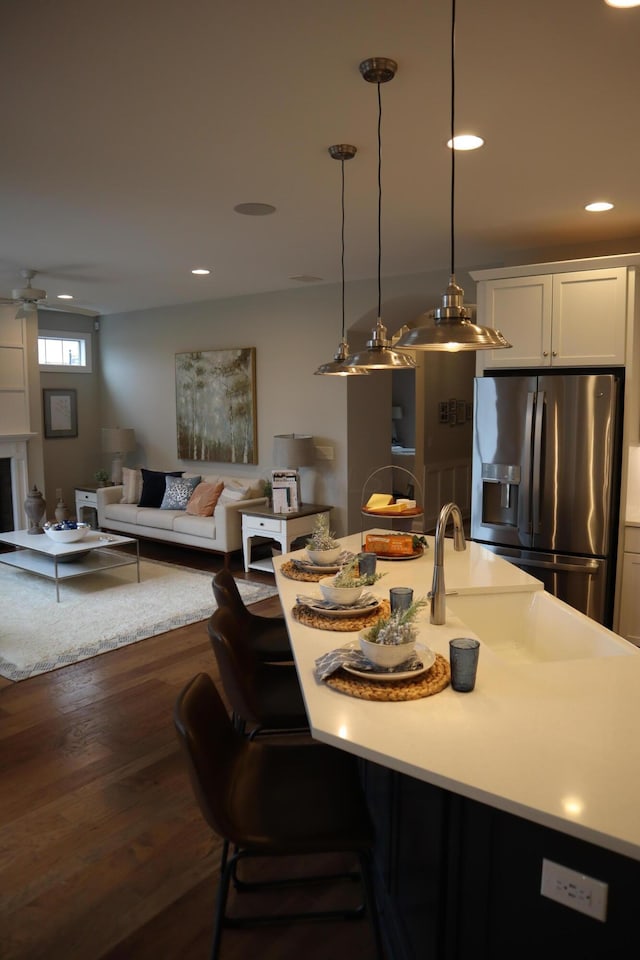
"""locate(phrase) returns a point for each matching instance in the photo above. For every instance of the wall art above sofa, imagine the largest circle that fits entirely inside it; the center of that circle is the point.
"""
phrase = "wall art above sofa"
(216, 405)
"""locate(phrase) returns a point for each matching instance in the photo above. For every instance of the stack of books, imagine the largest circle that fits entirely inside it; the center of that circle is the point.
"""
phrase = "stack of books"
(285, 485)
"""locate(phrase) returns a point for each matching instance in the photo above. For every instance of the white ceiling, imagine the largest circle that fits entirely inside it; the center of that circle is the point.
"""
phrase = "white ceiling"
(130, 129)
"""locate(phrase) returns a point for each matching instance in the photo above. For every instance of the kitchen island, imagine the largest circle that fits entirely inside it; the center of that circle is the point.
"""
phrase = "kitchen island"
(471, 792)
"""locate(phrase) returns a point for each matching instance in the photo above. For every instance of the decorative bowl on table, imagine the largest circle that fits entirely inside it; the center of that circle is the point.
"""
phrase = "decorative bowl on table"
(324, 558)
(68, 531)
(386, 655)
(343, 595)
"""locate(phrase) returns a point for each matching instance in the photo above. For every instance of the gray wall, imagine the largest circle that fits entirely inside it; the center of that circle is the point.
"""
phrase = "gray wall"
(71, 461)
(293, 332)
(133, 384)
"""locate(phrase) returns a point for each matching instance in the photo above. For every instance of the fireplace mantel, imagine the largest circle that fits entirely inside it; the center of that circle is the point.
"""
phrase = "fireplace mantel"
(14, 448)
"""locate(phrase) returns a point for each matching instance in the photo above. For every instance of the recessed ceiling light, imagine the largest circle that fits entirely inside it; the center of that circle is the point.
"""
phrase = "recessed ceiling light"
(598, 206)
(622, 3)
(306, 278)
(201, 271)
(254, 209)
(466, 141)
(65, 296)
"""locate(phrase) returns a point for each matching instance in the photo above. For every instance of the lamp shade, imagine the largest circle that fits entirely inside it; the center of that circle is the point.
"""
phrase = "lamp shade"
(293, 450)
(118, 439)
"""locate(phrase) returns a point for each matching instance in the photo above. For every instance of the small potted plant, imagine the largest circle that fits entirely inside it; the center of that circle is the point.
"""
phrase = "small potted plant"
(347, 585)
(322, 546)
(101, 477)
(391, 640)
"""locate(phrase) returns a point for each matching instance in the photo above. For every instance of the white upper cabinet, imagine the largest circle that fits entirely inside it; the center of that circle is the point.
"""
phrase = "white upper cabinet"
(14, 389)
(573, 319)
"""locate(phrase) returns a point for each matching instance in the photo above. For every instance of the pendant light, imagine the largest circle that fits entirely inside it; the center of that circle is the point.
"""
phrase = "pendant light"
(338, 367)
(452, 328)
(380, 353)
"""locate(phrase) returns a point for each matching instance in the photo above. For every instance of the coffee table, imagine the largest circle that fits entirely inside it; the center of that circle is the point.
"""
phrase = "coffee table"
(38, 554)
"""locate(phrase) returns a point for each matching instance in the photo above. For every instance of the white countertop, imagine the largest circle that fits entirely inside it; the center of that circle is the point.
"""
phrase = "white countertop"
(553, 742)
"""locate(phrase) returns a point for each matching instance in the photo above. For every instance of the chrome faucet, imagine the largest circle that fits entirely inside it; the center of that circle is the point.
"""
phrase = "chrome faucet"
(437, 594)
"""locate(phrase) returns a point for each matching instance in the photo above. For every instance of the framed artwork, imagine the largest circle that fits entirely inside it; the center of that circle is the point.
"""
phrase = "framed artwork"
(216, 405)
(60, 413)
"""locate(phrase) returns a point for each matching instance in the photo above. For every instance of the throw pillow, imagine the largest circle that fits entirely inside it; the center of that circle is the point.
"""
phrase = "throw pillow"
(178, 492)
(235, 490)
(153, 486)
(204, 499)
(131, 485)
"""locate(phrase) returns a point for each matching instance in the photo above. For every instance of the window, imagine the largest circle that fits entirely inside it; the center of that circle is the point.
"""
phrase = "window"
(65, 352)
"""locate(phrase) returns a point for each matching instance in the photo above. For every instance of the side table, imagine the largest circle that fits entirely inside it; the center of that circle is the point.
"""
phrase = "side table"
(282, 527)
(87, 505)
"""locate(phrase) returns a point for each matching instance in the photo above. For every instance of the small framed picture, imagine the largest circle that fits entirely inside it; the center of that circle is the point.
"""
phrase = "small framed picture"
(443, 412)
(60, 413)
(469, 411)
(453, 412)
(460, 411)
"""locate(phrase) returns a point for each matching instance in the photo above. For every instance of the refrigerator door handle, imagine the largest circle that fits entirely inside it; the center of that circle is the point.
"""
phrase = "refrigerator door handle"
(589, 567)
(524, 509)
(537, 462)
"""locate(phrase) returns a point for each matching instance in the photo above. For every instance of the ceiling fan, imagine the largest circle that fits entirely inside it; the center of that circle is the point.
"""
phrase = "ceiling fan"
(29, 298)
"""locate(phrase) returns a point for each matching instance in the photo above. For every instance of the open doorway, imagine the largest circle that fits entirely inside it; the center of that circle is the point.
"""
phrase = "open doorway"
(435, 432)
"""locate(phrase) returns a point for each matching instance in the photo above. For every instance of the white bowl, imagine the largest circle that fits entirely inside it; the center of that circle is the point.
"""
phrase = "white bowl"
(386, 654)
(68, 535)
(346, 595)
(324, 558)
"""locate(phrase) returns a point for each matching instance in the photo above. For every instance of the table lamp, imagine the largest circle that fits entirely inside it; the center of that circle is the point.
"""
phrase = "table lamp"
(118, 441)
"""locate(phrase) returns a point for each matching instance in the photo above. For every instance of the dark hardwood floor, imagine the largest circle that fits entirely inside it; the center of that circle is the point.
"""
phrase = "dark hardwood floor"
(103, 852)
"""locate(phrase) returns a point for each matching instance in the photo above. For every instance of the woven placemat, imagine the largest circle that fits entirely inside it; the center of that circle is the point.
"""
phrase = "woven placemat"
(289, 570)
(433, 681)
(311, 618)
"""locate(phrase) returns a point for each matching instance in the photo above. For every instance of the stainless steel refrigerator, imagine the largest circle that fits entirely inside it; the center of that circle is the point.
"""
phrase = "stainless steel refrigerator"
(546, 468)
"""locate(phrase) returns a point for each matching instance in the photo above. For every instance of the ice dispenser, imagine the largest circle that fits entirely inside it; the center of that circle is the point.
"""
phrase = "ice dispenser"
(500, 483)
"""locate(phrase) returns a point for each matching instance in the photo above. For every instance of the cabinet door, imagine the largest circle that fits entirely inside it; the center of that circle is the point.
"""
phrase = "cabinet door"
(630, 598)
(521, 309)
(589, 313)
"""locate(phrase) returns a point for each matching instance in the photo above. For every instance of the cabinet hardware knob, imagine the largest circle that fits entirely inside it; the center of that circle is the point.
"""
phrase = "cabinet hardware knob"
(554, 353)
(545, 353)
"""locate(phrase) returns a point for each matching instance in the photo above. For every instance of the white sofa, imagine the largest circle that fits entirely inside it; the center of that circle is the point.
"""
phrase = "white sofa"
(221, 533)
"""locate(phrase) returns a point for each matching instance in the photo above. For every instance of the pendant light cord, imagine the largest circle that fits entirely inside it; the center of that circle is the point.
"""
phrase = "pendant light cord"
(379, 200)
(453, 108)
(342, 244)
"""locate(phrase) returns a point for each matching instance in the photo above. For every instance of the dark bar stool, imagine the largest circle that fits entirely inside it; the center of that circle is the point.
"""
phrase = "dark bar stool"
(272, 800)
(263, 695)
(267, 636)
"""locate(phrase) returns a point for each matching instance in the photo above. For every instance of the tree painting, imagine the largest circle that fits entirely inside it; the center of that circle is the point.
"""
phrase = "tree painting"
(216, 405)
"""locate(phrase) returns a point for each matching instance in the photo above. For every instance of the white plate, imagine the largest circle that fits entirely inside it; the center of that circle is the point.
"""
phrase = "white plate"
(400, 556)
(356, 610)
(325, 568)
(309, 567)
(426, 655)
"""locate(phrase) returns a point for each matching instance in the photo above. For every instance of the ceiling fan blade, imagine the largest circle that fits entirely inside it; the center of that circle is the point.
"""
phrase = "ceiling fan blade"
(26, 309)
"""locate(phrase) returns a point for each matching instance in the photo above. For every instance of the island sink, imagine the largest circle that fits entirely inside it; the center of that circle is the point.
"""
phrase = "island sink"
(535, 627)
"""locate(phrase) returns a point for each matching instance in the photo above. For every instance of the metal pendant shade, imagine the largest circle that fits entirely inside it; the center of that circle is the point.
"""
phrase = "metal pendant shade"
(450, 328)
(380, 352)
(340, 366)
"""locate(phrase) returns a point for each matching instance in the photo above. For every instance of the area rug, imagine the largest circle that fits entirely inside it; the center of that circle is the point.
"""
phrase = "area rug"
(99, 612)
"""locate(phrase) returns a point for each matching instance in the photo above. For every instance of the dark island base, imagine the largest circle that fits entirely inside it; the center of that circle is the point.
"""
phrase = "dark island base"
(458, 880)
